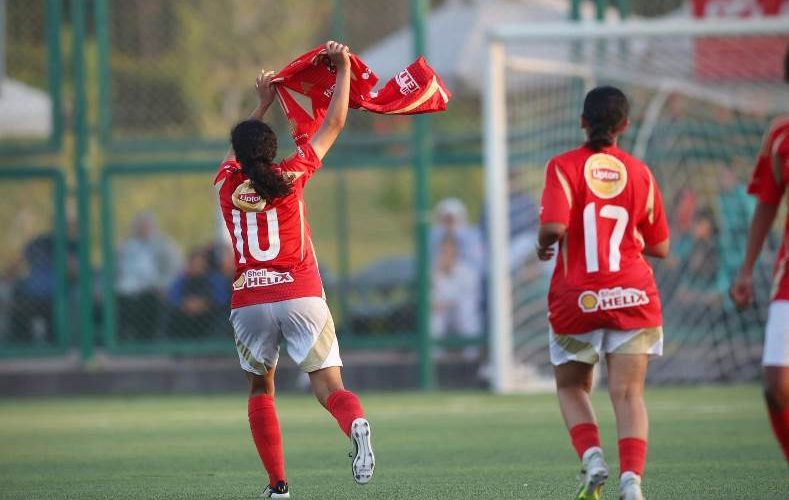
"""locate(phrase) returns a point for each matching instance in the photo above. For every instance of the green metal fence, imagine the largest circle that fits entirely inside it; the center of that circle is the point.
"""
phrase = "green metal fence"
(36, 250)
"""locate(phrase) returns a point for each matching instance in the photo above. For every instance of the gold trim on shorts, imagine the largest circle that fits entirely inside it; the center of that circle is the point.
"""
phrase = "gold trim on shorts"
(321, 349)
(247, 355)
(642, 342)
(583, 351)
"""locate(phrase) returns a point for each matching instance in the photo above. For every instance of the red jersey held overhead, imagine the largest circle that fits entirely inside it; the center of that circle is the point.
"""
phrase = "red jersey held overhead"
(612, 207)
(273, 250)
(768, 184)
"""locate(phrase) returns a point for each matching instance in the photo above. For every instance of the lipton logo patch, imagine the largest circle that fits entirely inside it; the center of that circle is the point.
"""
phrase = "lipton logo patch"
(605, 175)
(245, 198)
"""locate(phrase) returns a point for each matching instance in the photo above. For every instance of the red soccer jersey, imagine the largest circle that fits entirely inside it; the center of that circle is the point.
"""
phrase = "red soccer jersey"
(612, 207)
(275, 259)
(768, 184)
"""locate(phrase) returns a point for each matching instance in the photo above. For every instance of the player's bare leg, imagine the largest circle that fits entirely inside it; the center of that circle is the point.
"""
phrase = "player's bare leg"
(626, 377)
(266, 432)
(574, 384)
(776, 394)
(347, 410)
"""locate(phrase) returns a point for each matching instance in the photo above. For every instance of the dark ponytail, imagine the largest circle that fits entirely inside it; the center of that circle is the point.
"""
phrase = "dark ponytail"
(605, 112)
(255, 145)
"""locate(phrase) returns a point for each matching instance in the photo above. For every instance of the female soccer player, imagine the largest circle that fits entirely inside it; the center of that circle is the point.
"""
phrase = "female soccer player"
(769, 182)
(605, 210)
(277, 293)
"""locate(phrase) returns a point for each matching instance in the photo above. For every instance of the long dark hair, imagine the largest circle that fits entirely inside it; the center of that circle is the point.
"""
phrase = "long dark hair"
(255, 145)
(605, 112)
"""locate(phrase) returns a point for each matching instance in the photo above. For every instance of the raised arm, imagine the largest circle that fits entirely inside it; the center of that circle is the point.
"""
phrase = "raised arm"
(265, 98)
(334, 121)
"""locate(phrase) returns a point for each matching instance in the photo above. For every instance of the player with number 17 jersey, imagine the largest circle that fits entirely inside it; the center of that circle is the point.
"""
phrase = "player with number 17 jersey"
(612, 207)
(275, 258)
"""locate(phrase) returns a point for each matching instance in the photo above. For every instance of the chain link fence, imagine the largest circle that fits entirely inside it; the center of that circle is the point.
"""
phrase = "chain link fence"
(38, 251)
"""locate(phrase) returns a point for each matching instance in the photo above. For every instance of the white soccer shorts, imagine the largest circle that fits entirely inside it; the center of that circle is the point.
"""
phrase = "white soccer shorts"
(304, 323)
(588, 347)
(776, 335)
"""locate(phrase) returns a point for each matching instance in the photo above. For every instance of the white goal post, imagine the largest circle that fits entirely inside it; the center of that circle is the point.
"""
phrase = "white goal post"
(538, 72)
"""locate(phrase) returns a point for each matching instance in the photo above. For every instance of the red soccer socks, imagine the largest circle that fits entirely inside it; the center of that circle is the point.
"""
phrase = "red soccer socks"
(632, 455)
(345, 408)
(267, 436)
(780, 422)
(585, 436)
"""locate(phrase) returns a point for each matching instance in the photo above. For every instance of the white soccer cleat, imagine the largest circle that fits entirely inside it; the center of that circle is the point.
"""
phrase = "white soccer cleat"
(278, 491)
(630, 487)
(593, 475)
(363, 463)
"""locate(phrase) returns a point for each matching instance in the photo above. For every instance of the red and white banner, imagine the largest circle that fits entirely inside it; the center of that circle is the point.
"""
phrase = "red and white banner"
(758, 58)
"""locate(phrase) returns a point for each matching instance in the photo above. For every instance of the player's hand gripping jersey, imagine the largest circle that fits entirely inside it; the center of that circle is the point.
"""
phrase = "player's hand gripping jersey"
(275, 259)
(612, 207)
(768, 184)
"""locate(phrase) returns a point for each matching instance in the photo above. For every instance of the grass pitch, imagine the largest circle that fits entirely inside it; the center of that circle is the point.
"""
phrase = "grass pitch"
(705, 443)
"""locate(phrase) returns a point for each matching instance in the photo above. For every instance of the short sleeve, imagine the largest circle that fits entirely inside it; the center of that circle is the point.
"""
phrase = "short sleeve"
(557, 198)
(226, 168)
(764, 185)
(302, 164)
(654, 227)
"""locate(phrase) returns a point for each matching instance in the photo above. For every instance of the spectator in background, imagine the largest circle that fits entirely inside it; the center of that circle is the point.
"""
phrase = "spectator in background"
(147, 263)
(455, 295)
(196, 299)
(736, 208)
(452, 222)
(697, 290)
(34, 292)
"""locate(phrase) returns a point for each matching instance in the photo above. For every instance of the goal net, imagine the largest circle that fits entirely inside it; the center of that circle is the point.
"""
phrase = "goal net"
(702, 94)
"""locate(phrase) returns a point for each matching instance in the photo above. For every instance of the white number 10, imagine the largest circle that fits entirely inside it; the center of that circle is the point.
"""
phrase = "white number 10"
(620, 215)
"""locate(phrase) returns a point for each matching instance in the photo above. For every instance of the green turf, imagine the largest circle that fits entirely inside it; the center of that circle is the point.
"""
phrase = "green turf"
(706, 443)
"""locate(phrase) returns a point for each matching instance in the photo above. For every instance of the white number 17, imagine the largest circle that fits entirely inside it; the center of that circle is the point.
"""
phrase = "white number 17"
(617, 213)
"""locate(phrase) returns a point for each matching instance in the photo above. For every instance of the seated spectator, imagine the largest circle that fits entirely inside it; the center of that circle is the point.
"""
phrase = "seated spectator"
(198, 298)
(146, 264)
(31, 314)
(455, 296)
(452, 222)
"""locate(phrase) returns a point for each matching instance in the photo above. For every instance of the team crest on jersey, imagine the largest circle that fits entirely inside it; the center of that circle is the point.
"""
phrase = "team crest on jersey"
(605, 175)
(608, 299)
(254, 278)
(245, 198)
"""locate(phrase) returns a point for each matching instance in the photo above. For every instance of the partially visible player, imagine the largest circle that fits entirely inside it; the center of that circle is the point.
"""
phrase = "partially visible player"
(769, 185)
(605, 210)
(277, 293)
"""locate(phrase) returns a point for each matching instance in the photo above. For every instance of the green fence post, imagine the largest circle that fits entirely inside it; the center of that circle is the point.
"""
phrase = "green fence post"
(103, 64)
(55, 72)
(83, 179)
(600, 9)
(624, 8)
(422, 159)
(341, 191)
(60, 233)
(575, 10)
(108, 261)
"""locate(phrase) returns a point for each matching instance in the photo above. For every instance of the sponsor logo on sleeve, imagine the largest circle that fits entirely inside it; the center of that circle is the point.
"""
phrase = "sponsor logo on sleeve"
(406, 82)
(608, 299)
(255, 278)
(605, 175)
